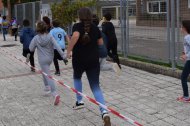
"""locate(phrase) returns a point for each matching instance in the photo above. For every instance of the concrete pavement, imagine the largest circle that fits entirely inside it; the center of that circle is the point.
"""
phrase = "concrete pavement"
(147, 98)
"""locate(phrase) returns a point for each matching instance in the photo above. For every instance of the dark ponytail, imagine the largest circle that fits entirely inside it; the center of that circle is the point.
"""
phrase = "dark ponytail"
(85, 17)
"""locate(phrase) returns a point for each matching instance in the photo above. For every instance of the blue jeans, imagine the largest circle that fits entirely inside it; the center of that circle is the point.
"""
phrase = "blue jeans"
(4, 33)
(184, 76)
(93, 78)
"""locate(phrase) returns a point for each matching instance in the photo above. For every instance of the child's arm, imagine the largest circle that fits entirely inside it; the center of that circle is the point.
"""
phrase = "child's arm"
(58, 48)
(33, 45)
(72, 43)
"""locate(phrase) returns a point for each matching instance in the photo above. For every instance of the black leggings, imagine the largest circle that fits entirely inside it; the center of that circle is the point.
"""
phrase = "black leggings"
(25, 52)
(56, 58)
(15, 32)
(112, 52)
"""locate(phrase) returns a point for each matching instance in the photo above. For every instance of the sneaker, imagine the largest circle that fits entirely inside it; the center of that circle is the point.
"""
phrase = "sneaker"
(57, 100)
(57, 73)
(47, 91)
(32, 69)
(116, 68)
(106, 119)
(78, 105)
(27, 57)
(183, 99)
(65, 61)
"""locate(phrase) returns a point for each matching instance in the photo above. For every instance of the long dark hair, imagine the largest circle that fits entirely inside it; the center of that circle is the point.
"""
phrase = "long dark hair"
(85, 16)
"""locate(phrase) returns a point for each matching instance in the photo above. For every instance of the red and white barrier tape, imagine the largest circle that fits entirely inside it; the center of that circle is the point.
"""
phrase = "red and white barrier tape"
(85, 96)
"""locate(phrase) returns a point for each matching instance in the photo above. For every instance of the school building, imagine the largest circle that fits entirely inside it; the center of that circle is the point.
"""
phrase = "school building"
(154, 12)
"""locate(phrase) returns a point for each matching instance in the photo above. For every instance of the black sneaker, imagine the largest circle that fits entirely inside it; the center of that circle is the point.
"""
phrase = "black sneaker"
(106, 119)
(57, 73)
(33, 70)
(78, 105)
(65, 61)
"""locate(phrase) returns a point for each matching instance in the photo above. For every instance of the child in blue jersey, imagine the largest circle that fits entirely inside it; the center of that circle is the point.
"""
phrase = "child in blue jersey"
(60, 36)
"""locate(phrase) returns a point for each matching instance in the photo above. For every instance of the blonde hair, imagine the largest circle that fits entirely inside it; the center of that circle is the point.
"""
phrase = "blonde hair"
(41, 27)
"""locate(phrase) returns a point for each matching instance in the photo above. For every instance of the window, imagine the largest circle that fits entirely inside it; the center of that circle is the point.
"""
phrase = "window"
(156, 7)
(188, 3)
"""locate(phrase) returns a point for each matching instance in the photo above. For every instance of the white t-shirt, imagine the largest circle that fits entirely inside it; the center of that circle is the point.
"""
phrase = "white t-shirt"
(1, 20)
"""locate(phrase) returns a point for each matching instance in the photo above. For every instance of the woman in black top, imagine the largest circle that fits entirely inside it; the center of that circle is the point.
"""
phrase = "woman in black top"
(84, 44)
(109, 30)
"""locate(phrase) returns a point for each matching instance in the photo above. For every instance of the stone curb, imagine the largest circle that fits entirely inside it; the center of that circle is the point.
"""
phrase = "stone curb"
(153, 68)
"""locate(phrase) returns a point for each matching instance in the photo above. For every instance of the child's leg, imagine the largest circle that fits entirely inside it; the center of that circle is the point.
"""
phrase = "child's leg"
(114, 54)
(78, 87)
(56, 64)
(104, 66)
(77, 81)
(184, 77)
(47, 80)
(32, 59)
(93, 78)
(4, 33)
(55, 61)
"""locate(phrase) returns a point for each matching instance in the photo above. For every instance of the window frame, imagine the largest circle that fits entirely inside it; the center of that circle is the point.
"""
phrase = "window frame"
(159, 5)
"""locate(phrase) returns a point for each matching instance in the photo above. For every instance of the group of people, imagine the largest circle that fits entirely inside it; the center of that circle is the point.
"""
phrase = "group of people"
(88, 47)
(5, 25)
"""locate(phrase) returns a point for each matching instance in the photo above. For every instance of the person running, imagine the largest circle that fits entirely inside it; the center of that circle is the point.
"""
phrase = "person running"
(5, 26)
(14, 27)
(85, 58)
(60, 36)
(103, 52)
(109, 30)
(26, 36)
(185, 57)
(48, 23)
(45, 44)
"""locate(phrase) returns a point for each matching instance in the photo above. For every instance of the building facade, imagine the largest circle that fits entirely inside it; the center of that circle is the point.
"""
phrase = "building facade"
(154, 12)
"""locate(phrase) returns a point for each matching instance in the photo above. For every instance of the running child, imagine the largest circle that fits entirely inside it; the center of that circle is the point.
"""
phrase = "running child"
(45, 43)
(185, 57)
(104, 66)
(5, 26)
(60, 36)
(26, 36)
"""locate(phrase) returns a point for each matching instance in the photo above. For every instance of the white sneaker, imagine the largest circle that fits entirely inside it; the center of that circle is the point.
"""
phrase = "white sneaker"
(47, 91)
(27, 57)
(116, 68)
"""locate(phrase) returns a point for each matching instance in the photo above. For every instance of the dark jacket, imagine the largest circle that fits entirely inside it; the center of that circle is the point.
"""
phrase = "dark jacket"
(26, 35)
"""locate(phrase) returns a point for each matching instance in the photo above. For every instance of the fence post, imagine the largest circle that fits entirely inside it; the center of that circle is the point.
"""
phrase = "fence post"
(24, 11)
(33, 14)
(122, 29)
(124, 26)
(173, 25)
(127, 30)
(168, 31)
(178, 29)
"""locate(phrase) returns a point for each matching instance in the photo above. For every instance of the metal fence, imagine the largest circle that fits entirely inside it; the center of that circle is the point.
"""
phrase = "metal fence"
(149, 29)
(30, 11)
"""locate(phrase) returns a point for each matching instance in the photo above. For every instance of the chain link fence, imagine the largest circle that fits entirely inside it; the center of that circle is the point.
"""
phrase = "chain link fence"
(148, 29)
(30, 11)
